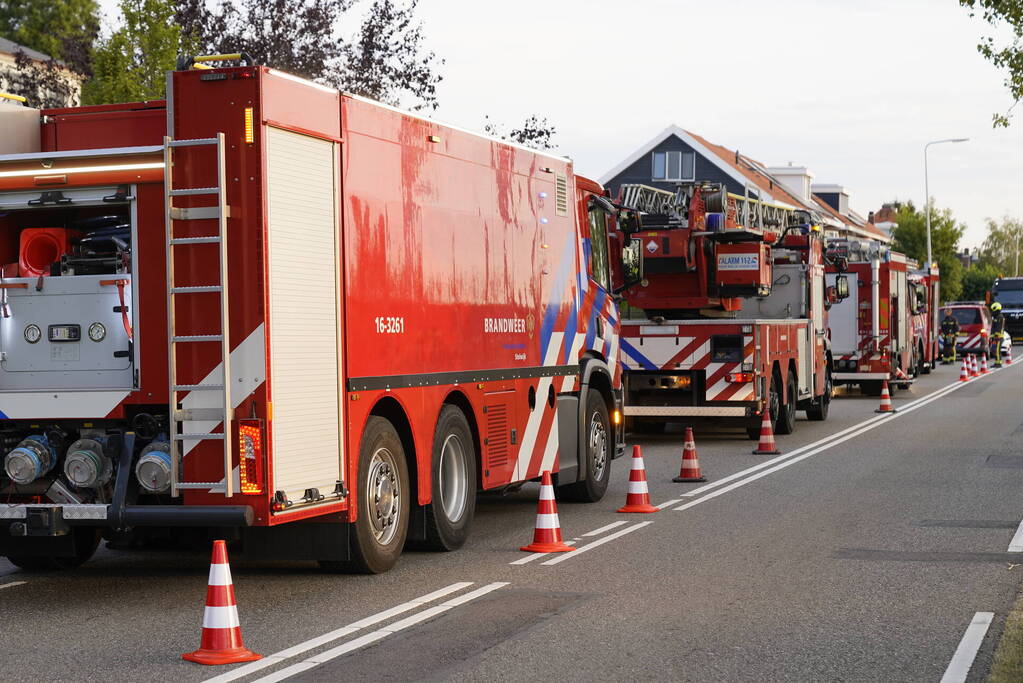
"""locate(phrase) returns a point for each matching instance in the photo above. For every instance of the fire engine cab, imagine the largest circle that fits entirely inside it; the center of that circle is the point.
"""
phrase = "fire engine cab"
(307, 320)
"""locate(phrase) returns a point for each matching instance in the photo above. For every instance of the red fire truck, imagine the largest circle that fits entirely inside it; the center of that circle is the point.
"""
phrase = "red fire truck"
(924, 299)
(307, 319)
(872, 332)
(727, 309)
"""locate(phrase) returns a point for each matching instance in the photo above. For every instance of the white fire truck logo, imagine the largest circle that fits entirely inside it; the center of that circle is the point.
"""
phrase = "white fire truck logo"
(651, 246)
(738, 261)
(504, 325)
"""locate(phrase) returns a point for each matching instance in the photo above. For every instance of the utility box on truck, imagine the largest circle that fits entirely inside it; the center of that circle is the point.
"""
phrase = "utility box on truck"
(295, 305)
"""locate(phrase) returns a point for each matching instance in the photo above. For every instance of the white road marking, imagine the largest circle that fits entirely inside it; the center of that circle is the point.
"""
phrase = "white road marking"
(12, 584)
(380, 634)
(861, 428)
(600, 541)
(529, 558)
(667, 503)
(959, 668)
(606, 527)
(1016, 546)
(337, 633)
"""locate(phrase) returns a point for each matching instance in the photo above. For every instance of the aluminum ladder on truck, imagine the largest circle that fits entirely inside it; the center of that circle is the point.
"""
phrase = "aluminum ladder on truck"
(219, 393)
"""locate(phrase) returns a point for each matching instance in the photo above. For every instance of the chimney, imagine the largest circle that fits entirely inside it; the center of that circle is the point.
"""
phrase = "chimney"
(870, 217)
(835, 196)
(795, 179)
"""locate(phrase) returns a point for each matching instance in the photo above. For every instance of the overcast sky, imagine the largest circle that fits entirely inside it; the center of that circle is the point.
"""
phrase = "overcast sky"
(851, 89)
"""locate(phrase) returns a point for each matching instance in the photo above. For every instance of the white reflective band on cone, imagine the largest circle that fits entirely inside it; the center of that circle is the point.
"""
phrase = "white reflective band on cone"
(220, 617)
(638, 487)
(220, 575)
(546, 492)
(547, 521)
(637, 464)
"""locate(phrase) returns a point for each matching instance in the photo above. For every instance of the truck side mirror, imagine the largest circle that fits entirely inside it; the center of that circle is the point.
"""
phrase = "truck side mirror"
(842, 287)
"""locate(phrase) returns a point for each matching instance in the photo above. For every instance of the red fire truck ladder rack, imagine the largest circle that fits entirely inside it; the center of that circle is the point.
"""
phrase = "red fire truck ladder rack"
(223, 414)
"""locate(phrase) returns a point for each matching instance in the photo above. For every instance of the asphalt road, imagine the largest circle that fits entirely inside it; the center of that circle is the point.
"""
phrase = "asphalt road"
(863, 552)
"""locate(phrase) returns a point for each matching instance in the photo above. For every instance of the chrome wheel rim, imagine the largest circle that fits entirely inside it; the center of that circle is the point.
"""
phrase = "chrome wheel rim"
(383, 492)
(452, 478)
(598, 445)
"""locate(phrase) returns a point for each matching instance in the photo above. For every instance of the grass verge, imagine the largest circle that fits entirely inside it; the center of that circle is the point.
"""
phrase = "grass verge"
(1008, 662)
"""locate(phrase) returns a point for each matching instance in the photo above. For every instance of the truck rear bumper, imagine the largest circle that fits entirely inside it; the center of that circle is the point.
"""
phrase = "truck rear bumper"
(858, 376)
(35, 519)
(686, 411)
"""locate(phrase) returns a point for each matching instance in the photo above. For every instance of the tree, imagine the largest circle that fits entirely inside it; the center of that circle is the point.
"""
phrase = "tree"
(1001, 244)
(57, 28)
(386, 60)
(65, 30)
(1003, 15)
(130, 65)
(977, 281)
(911, 239)
(536, 132)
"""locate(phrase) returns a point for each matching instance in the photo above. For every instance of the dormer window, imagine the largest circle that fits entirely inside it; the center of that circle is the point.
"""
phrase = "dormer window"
(674, 166)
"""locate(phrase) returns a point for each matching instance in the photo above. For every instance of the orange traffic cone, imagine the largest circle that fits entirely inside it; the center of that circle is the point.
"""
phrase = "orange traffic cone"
(1008, 355)
(766, 445)
(638, 499)
(886, 399)
(973, 366)
(690, 471)
(964, 372)
(983, 365)
(899, 374)
(547, 534)
(221, 641)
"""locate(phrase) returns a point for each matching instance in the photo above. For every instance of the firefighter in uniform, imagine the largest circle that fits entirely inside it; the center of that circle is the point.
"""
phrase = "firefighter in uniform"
(949, 331)
(997, 330)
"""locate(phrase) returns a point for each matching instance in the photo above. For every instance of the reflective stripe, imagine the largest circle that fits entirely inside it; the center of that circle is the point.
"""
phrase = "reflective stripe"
(549, 521)
(638, 487)
(637, 464)
(546, 492)
(220, 617)
(220, 575)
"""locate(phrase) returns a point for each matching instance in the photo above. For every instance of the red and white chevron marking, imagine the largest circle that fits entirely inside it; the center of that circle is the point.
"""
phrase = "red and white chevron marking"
(694, 353)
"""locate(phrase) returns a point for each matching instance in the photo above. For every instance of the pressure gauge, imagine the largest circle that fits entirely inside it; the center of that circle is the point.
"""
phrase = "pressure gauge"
(97, 332)
(33, 334)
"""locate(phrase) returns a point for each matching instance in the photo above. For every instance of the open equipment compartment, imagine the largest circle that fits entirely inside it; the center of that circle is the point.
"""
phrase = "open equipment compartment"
(67, 319)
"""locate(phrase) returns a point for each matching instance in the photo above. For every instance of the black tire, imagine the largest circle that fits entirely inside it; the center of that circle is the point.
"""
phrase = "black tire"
(818, 410)
(86, 540)
(453, 475)
(376, 545)
(924, 368)
(599, 440)
(786, 422)
(773, 405)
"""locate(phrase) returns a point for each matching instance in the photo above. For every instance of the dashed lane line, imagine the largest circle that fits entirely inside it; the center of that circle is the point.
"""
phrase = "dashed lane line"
(600, 541)
(1016, 545)
(380, 634)
(607, 527)
(12, 584)
(959, 668)
(331, 636)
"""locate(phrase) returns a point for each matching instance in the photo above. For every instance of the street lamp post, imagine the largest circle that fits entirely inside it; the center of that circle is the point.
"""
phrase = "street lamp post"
(927, 194)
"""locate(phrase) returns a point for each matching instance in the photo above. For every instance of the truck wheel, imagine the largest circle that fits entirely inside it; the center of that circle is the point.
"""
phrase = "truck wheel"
(86, 540)
(453, 474)
(924, 368)
(379, 531)
(773, 406)
(786, 423)
(598, 441)
(818, 410)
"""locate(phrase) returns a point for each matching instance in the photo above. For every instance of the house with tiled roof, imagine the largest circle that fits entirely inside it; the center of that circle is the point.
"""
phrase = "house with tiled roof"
(677, 155)
(8, 67)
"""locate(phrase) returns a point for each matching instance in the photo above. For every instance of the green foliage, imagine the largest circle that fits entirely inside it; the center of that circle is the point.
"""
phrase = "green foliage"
(1001, 244)
(911, 239)
(977, 281)
(54, 27)
(1003, 15)
(131, 64)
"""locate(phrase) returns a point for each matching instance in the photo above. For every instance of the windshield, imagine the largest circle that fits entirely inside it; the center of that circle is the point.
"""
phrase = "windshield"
(965, 316)
(1009, 297)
